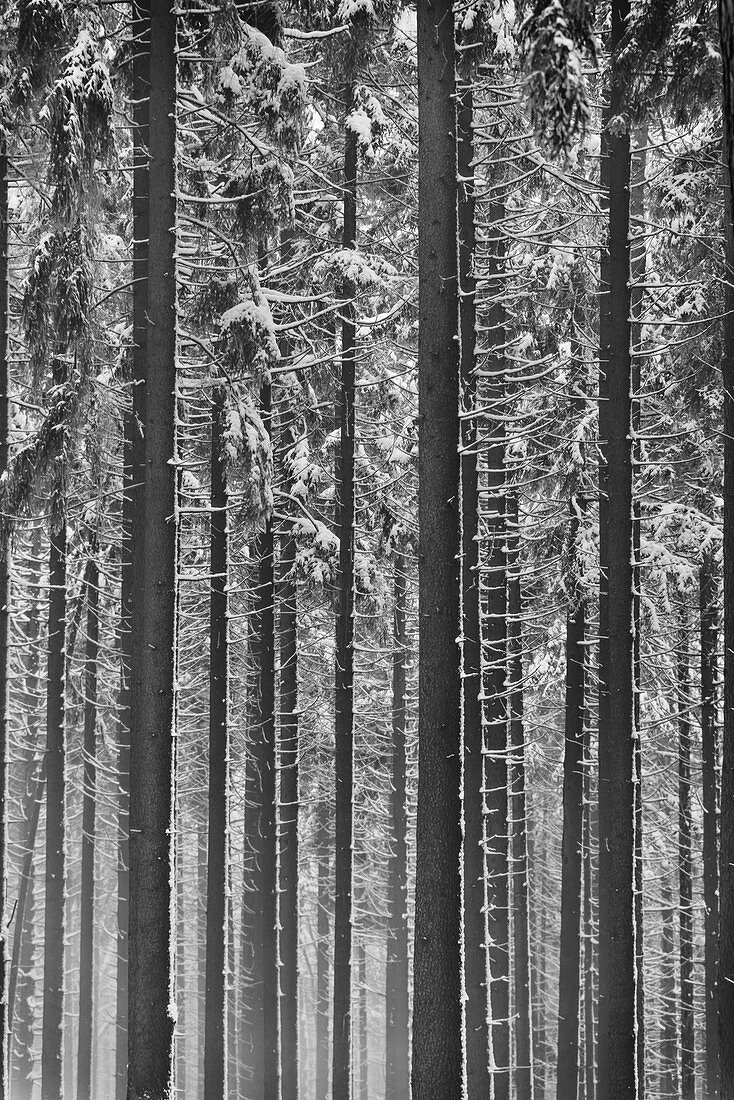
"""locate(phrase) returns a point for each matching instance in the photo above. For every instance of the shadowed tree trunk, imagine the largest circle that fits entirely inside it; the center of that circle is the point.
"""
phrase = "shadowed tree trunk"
(572, 842)
(289, 812)
(685, 871)
(726, 862)
(218, 764)
(86, 941)
(437, 1010)
(708, 592)
(344, 698)
(397, 1066)
(152, 710)
(123, 762)
(523, 1070)
(55, 893)
(617, 1074)
(475, 909)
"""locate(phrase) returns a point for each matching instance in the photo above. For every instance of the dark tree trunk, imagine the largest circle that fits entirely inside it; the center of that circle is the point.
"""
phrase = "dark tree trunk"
(572, 841)
(497, 775)
(617, 1075)
(152, 709)
(726, 858)
(55, 895)
(397, 1065)
(322, 951)
(668, 1075)
(589, 956)
(708, 592)
(123, 762)
(523, 1070)
(437, 1009)
(289, 812)
(86, 938)
(685, 872)
(344, 699)
(475, 909)
(262, 896)
(23, 1034)
(218, 756)
(4, 600)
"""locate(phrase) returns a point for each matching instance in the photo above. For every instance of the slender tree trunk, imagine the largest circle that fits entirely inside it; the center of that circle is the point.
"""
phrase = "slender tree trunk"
(344, 729)
(362, 1023)
(4, 603)
(497, 780)
(437, 1010)
(55, 894)
(668, 1025)
(685, 872)
(589, 956)
(86, 940)
(218, 766)
(617, 1076)
(708, 591)
(152, 702)
(726, 858)
(322, 952)
(181, 1034)
(289, 813)
(572, 842)
(523, 1070)
(397, 1058)
(475, 908)
(262, 897)
(23, 1034)
(123, 763)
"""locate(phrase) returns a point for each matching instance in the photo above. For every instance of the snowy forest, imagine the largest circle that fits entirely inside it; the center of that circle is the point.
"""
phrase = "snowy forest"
(367, 550)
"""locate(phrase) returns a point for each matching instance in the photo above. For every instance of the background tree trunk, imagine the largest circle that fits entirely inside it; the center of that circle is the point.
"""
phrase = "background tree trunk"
(708, 593)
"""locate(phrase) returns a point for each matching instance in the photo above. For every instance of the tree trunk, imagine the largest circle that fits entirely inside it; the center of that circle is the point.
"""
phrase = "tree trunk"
(123, 762)
(344, 728)
(289, 813)
(685, 872)
(4, 600)
(617, 1074)
(497, 775)
(397, 1063)
(523, 1070)
(263, 894)
(322, 952)
(218, 766)
(572, 842)
(708, 592)
(437, 1009)
(362, 1033)
(475, 909)
(86, 939)
(668, 1026)
(55, 895)
(589, 957)
(726, 858)
(152, 703)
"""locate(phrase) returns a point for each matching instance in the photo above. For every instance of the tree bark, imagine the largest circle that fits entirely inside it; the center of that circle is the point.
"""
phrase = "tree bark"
(523, 1069)
(437, 1010)
(726, 840)
(4, 602)
(216, 889)
(708, 593)
(572, 841)
(55, 895)
(344, 697)
(152, 701)
(289, 814)
(129, 478)
(397, 1057)
(685, 872)
(322, 951)
(86, 939)
(617, 1073)
(475, 908)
